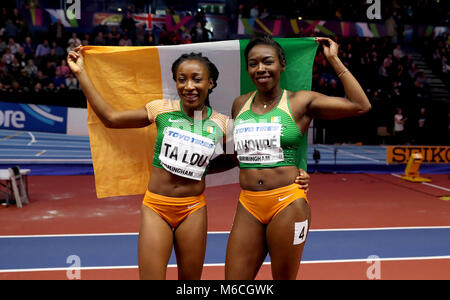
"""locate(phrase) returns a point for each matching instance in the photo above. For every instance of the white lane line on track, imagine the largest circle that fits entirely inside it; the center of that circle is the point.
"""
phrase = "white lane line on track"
(33, 139)
(223, 264)
(426, 183)
(220, 232)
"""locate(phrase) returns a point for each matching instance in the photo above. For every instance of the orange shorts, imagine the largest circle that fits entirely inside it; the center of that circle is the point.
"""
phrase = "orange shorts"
(265, 205)
(173, 210)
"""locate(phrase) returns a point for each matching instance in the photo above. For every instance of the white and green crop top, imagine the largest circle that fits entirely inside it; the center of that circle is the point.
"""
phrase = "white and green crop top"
(184, 147)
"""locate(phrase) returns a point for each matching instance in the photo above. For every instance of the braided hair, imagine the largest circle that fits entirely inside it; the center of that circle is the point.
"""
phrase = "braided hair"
(212, 69)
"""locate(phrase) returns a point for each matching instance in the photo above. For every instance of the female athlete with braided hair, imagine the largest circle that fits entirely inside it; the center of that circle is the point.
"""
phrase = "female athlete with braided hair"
(173, 214)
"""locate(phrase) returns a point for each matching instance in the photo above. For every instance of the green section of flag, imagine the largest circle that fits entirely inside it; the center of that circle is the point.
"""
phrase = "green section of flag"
(300, 53)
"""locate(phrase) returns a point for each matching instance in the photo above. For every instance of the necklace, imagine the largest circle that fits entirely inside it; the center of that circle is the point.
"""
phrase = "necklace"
(271, 102)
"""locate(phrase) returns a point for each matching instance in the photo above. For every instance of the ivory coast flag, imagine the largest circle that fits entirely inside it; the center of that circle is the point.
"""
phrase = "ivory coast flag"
(130, 77)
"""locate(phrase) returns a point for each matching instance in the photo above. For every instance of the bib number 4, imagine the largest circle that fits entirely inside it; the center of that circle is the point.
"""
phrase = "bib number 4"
(300, 232)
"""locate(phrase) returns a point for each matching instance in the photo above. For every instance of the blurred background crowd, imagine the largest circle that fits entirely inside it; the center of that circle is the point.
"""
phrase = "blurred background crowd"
(406, 75)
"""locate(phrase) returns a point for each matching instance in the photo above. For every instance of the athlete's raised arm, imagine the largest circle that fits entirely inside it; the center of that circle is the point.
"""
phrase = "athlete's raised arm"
(110, 117)
(326, 107)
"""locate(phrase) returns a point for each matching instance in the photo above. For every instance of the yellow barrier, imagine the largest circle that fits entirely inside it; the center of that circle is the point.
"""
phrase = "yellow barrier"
(412, 168)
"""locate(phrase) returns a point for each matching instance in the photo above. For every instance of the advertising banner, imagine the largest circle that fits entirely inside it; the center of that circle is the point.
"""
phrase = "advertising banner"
(33, 117)
(430, 154)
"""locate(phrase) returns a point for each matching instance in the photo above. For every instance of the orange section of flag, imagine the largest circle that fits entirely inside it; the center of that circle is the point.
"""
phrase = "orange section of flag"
(127, 78)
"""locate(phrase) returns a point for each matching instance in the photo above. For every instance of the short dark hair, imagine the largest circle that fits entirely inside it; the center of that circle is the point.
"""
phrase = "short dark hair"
(265, 39)
(212, 69)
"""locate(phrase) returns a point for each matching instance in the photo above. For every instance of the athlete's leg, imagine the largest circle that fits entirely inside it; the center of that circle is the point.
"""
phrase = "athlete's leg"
(190, 245)
(285, 242)
(246, 247)
(154, 245)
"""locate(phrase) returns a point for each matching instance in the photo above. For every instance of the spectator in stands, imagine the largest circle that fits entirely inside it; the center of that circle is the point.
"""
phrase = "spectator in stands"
(149, 39)
(383, 75)
(18, 19)
(422, 132)
(128, 25)
(13, 46)
(254, 11)
(186, 38)
(140, 36)
(10, 29)
(37, 89)
(25, 81)
(399, 126)
(2, 45)
(445, 68)
(200, 16)
(397, 92)
(5, 77)
(99, 39)
(423, 80)
(59, 79)
(117, 37)
(29, 47)
(8, 57)
(61, 89)
(265, 13)
(383, 70)
(418, 90)
(15, 68)
(49, 69)
(387, 62)
(63, 68)
(398, 53)
(109, 40)
(86, 40)
(448, 122)
(42, 78)
(436, 57)
(242, 12)
(400, 75)
(71, 47)
(3, 17)
(50, 88)
(52, 58)
(22, 56)
(57, 32)
(15, 87)
(3, 66)
(42, 49)
(59, 51)
(199, 33)
(125, 41)
(71, 82)
(75, 40)
(31, 68)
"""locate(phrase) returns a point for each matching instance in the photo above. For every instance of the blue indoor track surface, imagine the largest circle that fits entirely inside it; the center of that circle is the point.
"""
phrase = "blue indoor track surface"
(324, 245)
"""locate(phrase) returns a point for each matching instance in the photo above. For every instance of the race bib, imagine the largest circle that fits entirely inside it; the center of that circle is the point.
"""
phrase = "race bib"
(185, 153)
(258, 143)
